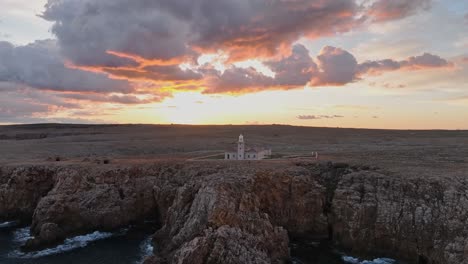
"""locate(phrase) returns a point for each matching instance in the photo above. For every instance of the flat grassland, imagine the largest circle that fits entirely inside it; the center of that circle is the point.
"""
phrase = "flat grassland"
(412, 152)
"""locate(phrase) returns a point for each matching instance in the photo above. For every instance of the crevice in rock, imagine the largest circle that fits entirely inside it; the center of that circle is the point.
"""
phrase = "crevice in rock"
(121, 194)
(422, 260)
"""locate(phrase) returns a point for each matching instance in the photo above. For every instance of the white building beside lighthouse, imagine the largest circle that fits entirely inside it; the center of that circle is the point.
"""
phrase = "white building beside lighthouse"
(247, 153)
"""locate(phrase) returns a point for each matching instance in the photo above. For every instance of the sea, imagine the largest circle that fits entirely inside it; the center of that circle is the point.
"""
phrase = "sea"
(125, 246)
(131, 245)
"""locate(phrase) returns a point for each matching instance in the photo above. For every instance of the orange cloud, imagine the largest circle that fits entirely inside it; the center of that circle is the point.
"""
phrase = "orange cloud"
(143, 62)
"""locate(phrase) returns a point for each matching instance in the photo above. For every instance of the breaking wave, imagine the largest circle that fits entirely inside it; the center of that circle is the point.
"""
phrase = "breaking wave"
(23, 234)
(146, 249)
(352, 260)
(8, 224)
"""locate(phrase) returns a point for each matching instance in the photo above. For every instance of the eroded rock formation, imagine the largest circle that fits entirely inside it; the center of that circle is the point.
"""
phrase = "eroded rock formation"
(21, 188)
(217, 212)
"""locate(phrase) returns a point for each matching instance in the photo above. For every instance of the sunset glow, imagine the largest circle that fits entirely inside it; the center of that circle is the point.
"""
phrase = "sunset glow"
(337, 63)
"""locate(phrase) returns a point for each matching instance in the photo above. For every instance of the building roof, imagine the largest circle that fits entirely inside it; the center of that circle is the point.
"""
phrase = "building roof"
(256, 149)
(249, 149)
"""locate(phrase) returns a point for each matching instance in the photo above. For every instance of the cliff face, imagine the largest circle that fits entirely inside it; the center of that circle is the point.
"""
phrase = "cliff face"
(217, 212)
(21, 189)
(424, 220)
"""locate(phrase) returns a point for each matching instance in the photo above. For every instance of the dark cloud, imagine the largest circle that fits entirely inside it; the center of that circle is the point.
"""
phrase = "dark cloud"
(20, 108)
(87, 29)
(293, 71)
(337, 67)
(315, 117)
(425, 61)
(117, 99)
(385, 10)
(168, 29)
(18, 104)
(332, 67)
(39, 65)
(237, 80)
(176, 30)
(379, 66)
(126, 52)
(148, 40)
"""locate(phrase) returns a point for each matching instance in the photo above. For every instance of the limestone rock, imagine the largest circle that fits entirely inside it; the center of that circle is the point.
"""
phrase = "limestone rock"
(218, 212)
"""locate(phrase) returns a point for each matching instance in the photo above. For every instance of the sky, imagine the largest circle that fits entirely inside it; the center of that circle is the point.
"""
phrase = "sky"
(400, 64)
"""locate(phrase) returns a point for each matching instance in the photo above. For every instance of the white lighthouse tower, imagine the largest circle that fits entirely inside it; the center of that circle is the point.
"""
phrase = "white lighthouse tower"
(244, 152)
(241, 148)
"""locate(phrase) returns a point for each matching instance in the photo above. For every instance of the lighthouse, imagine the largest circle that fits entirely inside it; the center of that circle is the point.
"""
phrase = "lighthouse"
(240, 148)
(244, 152)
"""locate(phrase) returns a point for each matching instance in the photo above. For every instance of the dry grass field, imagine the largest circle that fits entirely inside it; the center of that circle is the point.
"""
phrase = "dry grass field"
(412, 152)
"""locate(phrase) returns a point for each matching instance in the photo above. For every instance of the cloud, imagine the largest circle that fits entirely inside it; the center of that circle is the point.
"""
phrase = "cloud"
(332, 67)
(10, 109)
(388, 85)
(35, 81)
(23, 104)
(179, 30)
(337, 67)
(139, 52)
(118, 99)
(39, 65)
(316, 117)
(425, 61)
(384, 10)
(160, 41)
(293, 71)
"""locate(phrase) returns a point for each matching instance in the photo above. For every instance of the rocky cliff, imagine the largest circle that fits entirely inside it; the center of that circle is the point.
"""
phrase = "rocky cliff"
(217, 212)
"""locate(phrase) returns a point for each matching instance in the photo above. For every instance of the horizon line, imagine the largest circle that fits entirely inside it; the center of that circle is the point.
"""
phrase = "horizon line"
(220, 125)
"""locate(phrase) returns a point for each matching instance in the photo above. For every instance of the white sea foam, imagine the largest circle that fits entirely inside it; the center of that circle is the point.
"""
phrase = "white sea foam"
(21, 235)
(8, 224)
(69, 245)
(352, 260)
(146, 249)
